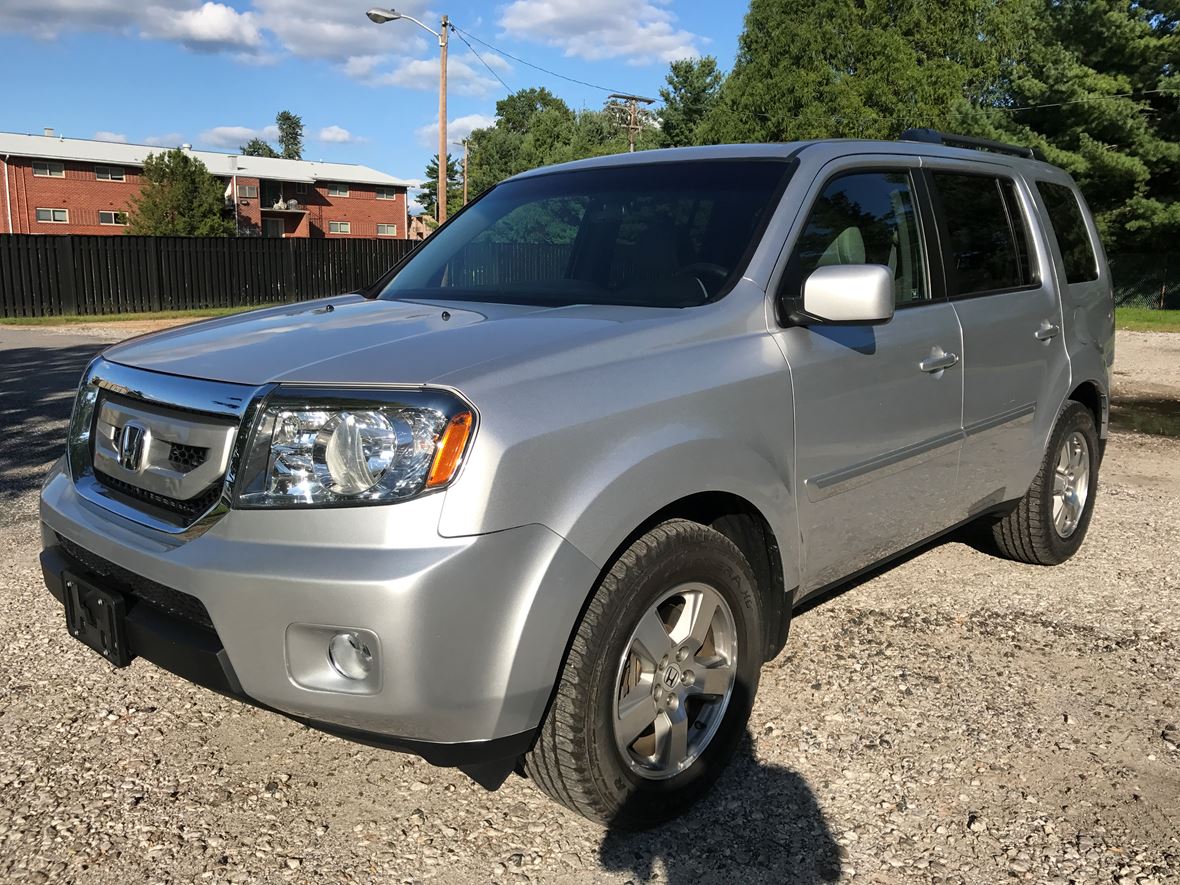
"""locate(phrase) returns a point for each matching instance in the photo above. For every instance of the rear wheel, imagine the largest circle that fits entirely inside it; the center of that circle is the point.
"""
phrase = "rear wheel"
(659, 682)
(1049, 524)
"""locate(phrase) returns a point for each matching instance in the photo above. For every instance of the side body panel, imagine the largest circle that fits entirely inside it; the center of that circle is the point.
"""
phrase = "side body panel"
(1087, 307)
(599, 437)
(876, 438)
(1013, 381)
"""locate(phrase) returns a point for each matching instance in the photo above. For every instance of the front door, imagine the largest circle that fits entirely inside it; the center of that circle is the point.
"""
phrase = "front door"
(1015, 369)
(877, 407)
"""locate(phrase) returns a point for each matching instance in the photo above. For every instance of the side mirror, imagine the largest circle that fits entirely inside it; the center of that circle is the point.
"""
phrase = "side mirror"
(848, 294)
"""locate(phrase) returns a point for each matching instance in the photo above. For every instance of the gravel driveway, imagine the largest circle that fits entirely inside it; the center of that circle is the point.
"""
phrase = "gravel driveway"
(954, 718)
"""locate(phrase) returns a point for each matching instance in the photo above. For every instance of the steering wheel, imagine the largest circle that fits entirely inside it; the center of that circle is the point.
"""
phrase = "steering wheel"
(709, 275)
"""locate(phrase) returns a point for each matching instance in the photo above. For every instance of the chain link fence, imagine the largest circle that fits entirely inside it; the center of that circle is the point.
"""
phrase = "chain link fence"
(1146, 280)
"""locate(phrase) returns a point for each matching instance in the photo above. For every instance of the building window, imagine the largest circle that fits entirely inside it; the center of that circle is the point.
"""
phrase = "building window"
(116, 218)
(386, 193)
(337, 190)
(301, 187)
(53, 216)
(109, 173)
(387, 230)
(247, 192)
(339, 227)
(49, 169)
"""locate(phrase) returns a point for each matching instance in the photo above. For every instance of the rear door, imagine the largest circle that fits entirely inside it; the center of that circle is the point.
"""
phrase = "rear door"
(877, 421)
(1015, 369)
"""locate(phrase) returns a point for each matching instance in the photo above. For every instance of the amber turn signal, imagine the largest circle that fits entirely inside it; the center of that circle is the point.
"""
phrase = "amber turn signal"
(450, 450)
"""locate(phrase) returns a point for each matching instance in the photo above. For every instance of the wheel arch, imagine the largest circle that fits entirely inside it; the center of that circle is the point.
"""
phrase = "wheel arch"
(746, 526)
(1092, 396)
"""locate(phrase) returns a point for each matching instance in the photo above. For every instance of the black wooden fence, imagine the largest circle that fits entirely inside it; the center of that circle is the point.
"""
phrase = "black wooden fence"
(53, 275)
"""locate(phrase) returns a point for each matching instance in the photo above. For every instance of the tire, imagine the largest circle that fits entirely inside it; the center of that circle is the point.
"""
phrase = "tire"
(1030, 533)
(577, 758)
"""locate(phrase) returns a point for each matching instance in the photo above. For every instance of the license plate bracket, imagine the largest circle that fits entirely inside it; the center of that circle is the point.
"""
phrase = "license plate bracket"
(97, 618)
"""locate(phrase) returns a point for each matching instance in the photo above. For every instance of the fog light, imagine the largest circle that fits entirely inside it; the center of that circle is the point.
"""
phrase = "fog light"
(350, 656)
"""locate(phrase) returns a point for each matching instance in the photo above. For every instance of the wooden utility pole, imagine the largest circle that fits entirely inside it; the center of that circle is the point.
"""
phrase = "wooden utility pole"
(633, 128)
(443, 165)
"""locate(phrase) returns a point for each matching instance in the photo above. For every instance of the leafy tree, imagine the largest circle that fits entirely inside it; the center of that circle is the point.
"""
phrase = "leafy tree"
(256, 147)
(429, 196)
(693, 88)
(179, 198)
(290, 135)
(517, 111)
(859, 68)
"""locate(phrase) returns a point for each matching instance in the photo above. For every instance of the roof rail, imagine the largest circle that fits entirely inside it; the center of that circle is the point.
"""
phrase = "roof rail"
(933, 136)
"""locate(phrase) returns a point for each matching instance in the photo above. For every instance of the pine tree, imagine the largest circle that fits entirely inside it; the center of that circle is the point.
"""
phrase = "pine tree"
(179, 198)
(290, 135)
(693, 88)
(1097, 89)
(429, 196)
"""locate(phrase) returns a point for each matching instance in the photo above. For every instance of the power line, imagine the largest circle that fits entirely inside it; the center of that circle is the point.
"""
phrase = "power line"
(529, 64)
(481, 58)
(1061, 104)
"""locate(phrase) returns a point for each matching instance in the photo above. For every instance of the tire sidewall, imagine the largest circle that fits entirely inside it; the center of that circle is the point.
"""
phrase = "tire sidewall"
(710, 559)
(1074, 417)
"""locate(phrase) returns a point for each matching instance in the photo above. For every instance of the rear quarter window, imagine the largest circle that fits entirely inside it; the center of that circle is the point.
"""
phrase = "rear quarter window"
(986, 245)
(1069, 226)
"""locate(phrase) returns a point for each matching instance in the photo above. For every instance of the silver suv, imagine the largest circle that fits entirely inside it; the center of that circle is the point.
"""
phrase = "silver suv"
(545, 497)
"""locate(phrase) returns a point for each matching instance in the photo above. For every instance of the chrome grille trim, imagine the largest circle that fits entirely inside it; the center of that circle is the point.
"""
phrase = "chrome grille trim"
(154, 396)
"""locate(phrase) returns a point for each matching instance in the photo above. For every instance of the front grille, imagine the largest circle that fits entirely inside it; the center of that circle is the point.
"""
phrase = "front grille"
(169, 601)
(187, 458)
(188, 510)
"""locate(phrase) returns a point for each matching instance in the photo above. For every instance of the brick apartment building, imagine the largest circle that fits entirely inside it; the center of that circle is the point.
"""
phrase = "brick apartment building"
(56, 185)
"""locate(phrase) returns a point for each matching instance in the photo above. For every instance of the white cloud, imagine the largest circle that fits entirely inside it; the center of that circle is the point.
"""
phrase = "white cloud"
(338, 135)
(104, 135)
(235, 136)
(463, 77)
(211, 27)
(339, 31)
(638, 31)
(171, 139)
(457, 129)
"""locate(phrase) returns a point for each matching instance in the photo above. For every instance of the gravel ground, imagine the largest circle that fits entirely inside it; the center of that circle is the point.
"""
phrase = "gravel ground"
(955, 718)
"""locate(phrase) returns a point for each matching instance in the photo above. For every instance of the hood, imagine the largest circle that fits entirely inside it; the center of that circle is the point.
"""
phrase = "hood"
(351, 340)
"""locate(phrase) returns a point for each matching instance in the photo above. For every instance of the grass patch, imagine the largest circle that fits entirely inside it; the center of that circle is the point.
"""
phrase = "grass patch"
(95, 319)
(1144, 319)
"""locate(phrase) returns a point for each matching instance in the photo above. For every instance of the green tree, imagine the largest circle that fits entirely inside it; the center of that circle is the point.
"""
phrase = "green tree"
(859, 68)
(694, 85)
(256, 147)
(179, 198)
(429, 196)
(1097, 89)
(290, 135)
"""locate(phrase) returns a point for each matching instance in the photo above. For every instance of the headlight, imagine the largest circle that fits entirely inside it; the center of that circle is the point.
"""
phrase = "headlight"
(339, 448)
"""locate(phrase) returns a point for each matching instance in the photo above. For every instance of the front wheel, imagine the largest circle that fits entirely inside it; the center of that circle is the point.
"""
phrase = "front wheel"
(659, 682)
(1048, 525)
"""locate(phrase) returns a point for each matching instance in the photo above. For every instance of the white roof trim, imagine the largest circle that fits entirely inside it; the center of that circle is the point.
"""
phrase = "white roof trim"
(82, 150)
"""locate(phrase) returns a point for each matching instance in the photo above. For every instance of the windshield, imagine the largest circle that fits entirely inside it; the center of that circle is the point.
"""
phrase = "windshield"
(655, 235)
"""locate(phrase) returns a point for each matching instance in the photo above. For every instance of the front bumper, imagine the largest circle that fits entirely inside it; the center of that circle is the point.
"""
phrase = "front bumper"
(470, 631)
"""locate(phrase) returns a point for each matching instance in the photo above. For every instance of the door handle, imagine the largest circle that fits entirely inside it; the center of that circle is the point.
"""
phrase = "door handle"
(938, 361)
(1047, 332)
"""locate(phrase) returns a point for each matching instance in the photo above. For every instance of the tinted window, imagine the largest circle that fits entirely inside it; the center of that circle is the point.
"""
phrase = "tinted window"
(1070, 227)
(656, 235)
(865, 218)
(988, 240)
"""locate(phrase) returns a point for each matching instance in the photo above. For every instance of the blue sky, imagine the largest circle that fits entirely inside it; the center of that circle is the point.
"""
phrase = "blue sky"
(214, 73)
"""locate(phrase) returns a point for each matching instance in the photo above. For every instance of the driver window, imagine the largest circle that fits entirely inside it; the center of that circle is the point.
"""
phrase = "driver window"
(865, 218)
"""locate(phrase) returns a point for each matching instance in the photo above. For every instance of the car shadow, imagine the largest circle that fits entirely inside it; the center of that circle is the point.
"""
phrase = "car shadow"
(760, 823)
(37, 386)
